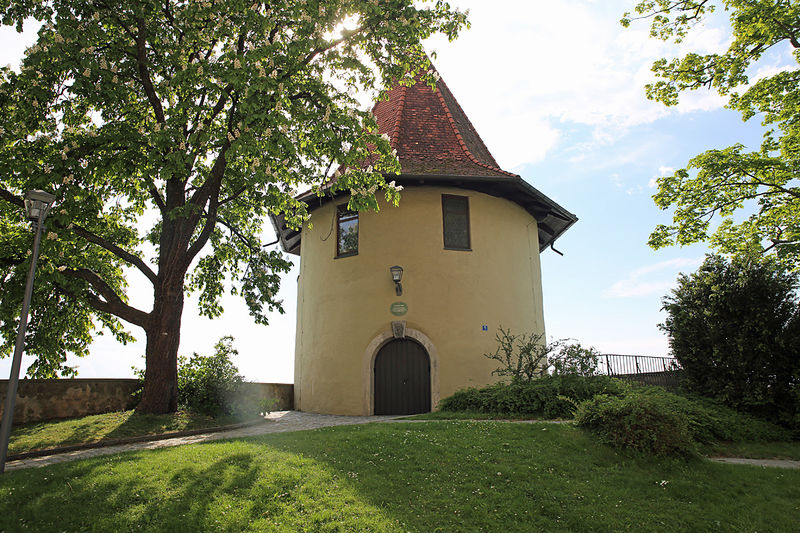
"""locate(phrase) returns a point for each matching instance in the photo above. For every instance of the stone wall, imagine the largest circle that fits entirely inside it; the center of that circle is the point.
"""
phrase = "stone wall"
(281, 393)
(47, 399)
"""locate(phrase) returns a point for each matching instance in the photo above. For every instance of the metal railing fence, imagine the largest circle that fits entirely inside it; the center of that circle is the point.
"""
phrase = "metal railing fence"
(652, 370)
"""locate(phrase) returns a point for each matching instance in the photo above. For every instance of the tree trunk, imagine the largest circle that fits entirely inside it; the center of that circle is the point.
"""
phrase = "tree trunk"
(160, 393)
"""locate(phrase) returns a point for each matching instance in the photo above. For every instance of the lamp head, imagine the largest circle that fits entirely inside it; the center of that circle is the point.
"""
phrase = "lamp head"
(37, 204)
(397, 273)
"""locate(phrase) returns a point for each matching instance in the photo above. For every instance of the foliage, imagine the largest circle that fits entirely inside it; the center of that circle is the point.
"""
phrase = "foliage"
(734, 327)
(574, 359)
(755, 194)
(547, 396)
(525, 357)
(209, 384)
(168, 131)
(522, 357)
(636, 417)
(639, 422)
(380, 478)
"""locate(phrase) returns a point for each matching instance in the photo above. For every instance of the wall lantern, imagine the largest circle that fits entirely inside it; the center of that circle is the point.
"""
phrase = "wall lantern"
(397, 276)
(37, 205)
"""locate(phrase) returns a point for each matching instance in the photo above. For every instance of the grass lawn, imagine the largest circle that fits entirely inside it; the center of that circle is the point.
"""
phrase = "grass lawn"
(95, 428)
(472, 415)
(425, 477)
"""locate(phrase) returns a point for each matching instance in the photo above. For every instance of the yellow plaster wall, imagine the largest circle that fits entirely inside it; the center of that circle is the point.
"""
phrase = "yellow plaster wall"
(343, 304)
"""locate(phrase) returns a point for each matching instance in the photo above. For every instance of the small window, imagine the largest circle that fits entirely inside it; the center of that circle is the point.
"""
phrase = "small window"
(346, 231)
(455, 222)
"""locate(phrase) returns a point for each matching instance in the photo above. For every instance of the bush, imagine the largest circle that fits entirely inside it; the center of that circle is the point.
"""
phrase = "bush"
(734, 327)
(653, 420)
(526, 357)
(573, 359)
(548, 396)
(521, 357)
(640, 422)
(209, 384)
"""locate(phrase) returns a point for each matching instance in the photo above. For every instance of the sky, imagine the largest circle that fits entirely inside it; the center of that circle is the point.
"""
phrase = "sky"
(556, 91)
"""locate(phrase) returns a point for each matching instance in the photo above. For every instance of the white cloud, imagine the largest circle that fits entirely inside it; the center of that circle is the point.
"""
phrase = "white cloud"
(525, 68)
(639, 282)
(662, 171)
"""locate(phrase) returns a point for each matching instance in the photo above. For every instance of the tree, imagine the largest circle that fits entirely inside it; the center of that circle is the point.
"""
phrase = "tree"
(174, 127)
(734, 327)
(754, 194)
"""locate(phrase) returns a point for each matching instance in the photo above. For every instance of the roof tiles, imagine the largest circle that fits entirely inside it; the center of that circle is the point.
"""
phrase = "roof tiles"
(432, 134)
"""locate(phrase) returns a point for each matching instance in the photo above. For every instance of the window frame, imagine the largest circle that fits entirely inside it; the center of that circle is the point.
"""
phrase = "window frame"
(342, 209)
(468, 248)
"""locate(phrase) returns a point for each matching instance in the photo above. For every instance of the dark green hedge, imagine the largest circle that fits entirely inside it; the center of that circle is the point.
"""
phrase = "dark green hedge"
(548, 396)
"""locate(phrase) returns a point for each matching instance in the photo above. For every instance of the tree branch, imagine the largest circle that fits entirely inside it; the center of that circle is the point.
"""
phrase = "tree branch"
(10, 198)
(156, 196)
(116, 250)
(112, 303)
(232, 197)
(237, 233)
(141, 57)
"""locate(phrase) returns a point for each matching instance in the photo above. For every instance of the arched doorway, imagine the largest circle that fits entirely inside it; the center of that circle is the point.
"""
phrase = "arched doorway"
(402, 379)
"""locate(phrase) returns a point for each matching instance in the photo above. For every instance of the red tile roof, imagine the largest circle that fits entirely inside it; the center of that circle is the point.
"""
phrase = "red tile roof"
(432, 134)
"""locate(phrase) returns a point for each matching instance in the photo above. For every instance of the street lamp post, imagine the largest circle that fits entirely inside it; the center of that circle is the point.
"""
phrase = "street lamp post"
(37, 206)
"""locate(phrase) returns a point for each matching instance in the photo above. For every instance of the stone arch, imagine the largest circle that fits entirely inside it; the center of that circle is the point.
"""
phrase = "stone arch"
(378, 342)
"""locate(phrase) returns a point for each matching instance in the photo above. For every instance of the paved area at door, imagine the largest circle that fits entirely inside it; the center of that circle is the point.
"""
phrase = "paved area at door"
(276, 422)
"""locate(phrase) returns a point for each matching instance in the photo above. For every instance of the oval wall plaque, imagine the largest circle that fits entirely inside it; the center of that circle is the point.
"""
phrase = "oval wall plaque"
(398, 308)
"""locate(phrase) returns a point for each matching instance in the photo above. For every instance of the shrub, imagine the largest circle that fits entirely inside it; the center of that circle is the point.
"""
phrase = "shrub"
(630, 420)
(734, 326)
(526, 357)
(637, 421)
(549, 396)
(573, 359)
(209, 384)
(522, 357)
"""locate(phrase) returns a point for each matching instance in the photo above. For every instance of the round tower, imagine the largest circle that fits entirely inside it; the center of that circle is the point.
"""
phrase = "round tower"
(396, 308)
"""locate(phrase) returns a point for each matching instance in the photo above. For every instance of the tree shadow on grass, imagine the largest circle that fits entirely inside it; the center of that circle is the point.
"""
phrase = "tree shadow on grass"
(392, 477)
(228, 486)
(54, 433)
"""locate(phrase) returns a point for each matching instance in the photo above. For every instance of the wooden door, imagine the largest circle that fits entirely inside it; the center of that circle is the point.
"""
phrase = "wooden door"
(402, 379)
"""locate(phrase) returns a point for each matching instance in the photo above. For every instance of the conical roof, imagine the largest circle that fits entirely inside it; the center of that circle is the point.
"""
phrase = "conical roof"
(432, 134)
(438, 145)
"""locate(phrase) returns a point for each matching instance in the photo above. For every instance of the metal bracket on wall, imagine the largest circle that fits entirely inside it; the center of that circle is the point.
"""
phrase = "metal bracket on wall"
(399, 329)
